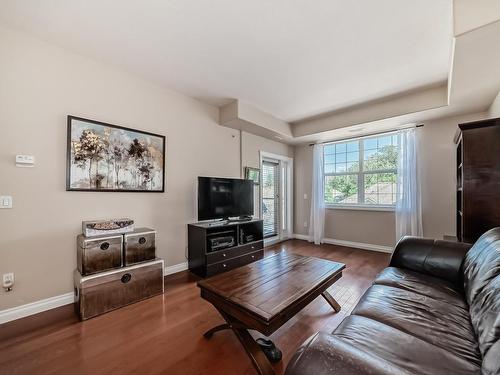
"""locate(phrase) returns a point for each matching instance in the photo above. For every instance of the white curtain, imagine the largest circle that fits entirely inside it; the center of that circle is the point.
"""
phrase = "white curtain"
(317, 219)
(408, 202)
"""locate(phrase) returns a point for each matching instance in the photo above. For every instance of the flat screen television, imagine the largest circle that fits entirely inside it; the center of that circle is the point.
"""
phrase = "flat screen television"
(222, 198)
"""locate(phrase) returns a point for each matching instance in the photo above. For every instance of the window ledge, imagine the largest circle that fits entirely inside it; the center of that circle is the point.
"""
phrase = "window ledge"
(359, 207)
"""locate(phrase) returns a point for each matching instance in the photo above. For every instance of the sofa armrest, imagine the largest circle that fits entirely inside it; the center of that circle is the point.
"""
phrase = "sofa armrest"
(326, 354)
(442, 259)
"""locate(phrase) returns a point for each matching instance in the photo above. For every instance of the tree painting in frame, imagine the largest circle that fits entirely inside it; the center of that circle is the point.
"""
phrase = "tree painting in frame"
(105, 157)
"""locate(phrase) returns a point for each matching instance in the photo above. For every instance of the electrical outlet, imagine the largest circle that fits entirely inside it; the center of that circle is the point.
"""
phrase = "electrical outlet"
(8, 281)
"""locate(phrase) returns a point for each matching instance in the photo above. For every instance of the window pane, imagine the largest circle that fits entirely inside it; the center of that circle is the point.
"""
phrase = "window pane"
(380, 188)
(329, 149)
(384, 141)
(382, 158)
(341, 189)
(340, 167)
(340, 148)
(370, 143)
(369, 153)
(329, 168)
(340, 158)
(352, 156)
(387, 157)
(353, 167)
(353, 146)
(329, 158)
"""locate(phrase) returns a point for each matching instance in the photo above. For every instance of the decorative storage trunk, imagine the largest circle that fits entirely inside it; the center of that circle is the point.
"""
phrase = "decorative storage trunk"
(97, 294)
(139, 246)
(97, 254)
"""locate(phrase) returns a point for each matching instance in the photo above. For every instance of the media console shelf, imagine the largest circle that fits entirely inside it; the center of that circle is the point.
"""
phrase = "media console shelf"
(213, 249)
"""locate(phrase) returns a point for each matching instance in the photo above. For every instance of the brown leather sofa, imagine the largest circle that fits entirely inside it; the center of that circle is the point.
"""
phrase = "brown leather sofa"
(434, 310)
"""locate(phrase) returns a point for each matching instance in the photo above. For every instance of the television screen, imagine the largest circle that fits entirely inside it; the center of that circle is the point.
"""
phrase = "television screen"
(220, 198)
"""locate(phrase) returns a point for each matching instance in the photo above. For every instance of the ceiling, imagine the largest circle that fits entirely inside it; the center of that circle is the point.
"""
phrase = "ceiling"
(288, 58)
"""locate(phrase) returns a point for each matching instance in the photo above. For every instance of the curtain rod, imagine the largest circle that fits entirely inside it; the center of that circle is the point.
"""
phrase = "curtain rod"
(367, 135)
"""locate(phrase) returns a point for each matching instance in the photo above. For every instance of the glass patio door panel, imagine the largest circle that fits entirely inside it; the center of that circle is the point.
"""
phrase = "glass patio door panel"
(270, 198)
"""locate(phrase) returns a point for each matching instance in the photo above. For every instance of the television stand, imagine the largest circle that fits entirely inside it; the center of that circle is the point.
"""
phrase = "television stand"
(213, 249)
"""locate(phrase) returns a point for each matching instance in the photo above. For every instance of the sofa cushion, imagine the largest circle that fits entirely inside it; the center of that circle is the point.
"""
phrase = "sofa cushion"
(326, 354)
(401, 349)
(482, 288)
(429, 286)
(441, 324)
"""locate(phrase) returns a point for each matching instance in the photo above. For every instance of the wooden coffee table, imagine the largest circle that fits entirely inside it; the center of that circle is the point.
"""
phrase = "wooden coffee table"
(264, 295)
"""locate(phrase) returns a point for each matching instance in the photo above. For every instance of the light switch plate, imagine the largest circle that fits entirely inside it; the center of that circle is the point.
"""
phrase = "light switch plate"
(5, 201)
(25, 160)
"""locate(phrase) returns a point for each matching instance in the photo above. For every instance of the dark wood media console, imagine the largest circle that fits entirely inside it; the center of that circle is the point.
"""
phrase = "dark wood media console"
(210, 250)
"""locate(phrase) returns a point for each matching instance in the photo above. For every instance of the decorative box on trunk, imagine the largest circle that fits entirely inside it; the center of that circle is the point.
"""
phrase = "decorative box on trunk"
(98, 254)
(139, 246)
(103, 292)
(107, 227)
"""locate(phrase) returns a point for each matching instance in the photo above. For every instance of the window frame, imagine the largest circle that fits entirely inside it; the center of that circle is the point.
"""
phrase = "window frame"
(360, 176)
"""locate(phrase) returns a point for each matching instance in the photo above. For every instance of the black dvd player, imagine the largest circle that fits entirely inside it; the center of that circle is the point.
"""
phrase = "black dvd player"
(219, 243)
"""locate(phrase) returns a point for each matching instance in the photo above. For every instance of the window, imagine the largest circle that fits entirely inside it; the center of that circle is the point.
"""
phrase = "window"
(362, 171)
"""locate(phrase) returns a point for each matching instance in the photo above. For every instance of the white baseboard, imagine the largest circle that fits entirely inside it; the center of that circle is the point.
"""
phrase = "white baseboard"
(169, 270)
(304, 237)
(358, 245)
(61, 300)
(36, 307)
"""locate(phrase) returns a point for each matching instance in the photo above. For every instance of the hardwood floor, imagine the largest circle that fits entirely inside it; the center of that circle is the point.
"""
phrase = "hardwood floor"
(164, 334)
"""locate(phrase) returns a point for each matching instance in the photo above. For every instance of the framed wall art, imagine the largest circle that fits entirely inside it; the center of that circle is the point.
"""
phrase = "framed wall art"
(252, 174)
(105, 157)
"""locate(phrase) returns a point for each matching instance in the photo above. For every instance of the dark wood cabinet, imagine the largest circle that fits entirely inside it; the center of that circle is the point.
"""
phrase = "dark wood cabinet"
(215, 248)
(478, 178)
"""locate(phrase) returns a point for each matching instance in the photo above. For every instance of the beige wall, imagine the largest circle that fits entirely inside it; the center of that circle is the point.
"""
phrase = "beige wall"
(40, 85)
(253, 144)
(438, 174)
(437, 157)
(494, 110)
(469, 15)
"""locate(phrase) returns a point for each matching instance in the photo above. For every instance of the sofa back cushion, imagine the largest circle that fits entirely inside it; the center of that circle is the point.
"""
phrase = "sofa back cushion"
(482, 288)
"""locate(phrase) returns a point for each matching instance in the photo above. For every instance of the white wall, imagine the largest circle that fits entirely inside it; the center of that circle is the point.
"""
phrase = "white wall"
(438, 181)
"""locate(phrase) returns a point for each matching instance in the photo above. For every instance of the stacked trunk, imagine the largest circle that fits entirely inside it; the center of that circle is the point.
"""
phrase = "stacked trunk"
(115, 270)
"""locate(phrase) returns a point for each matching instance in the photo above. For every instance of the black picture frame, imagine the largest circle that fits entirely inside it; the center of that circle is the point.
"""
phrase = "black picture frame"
(69, 160)
(252, 174)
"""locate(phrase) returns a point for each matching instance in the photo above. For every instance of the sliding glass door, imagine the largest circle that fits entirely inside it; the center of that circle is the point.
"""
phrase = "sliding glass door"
(271, 203)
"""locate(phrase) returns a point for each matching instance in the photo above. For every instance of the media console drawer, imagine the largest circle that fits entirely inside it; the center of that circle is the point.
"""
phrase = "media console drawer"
(234, 263)
(233, 252)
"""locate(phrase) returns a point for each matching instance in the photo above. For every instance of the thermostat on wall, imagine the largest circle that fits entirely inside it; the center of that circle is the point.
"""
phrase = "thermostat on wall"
(25, 160)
